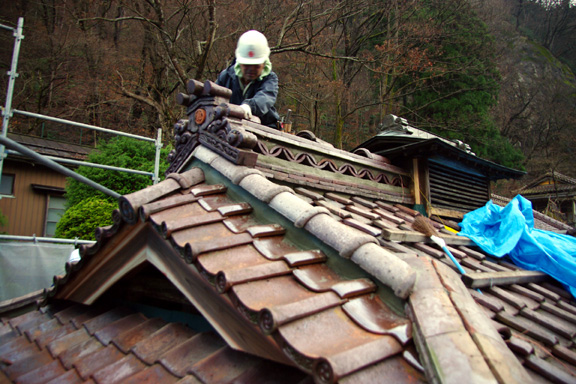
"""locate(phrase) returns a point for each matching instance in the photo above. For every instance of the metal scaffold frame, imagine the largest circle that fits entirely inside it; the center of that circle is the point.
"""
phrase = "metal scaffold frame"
(50, 161)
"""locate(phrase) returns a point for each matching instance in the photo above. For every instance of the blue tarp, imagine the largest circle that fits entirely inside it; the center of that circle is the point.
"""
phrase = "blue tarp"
(509, 230)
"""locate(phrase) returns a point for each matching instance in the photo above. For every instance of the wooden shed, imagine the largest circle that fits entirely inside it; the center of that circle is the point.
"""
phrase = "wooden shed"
(32, 195)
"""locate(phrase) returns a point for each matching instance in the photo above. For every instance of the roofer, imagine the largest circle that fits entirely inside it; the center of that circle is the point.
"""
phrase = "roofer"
(254, 86)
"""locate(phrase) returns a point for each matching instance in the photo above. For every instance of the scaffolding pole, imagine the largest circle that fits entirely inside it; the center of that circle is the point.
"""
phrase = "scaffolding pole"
(55, 166)
(13, 74)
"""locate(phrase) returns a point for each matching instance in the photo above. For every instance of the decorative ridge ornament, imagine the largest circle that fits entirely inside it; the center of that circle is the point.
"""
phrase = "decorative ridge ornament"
(209, 124)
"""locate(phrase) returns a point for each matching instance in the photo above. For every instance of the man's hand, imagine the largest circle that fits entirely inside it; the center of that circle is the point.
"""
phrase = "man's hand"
(247, 111)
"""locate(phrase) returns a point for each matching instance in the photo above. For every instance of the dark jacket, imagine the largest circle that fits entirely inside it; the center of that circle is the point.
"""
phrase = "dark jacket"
(261, 95)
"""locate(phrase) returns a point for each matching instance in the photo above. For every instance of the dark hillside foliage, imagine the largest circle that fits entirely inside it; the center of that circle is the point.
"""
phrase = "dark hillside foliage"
(454, 67)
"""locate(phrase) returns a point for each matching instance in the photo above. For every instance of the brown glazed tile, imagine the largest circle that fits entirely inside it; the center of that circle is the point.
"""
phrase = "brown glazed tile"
(266, 230)
(310, 194)
(274, 248)
(363, 227)
(212, 203)
(173, 225)
(194, 249)
(70, 377)
(392, 370)
(567, 307)
(16, 347)
(363, 202)
(352, 288)
(78, 351)
(177, 213)
(536, 297)
(338, 198)
(26, 363)
(97, 360)
(240, 223)
(388, 216)
(105, 319)
(299, 259)
(62, 344)
(515, 300)
(182, 357)
(27, 317)
(557, 289)
(232, 258)
(362, 212)
(171, 202)
(520, 346)
(234, 209)
(387, 207)
(272, 317)
(549, 323)
(347, 361)
(149, 349)
(543, 291)
(548, 370)
(490, 302)
(438, 254)
(472, 253)
(189, 380)
(42, 374)
(317, 277)
(207, 189)
(31, 322)
(90, 313)
(564, 353)
(54, 334)
(372, 314)
(109, 332)
(319, 340)
(334, 209)
(119, 371)
(223, 366)
(528, 328)
(494, 266)
(562, 314)
(278, 291)
(152, 375)
(226, 279)
(126, 340)
(40, 329)
(313, 336)
(200, 234)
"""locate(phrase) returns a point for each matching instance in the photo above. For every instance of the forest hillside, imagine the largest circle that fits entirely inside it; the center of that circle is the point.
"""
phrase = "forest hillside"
(497, 74)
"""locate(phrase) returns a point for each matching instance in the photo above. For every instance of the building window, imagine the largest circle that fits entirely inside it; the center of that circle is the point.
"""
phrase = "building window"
(7, 185)
(55, 210)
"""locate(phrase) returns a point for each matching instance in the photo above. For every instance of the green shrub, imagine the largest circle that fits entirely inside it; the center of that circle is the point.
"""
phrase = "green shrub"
(80, 220)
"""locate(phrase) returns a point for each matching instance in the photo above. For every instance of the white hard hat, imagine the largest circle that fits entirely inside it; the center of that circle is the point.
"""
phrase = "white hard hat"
(252, 48)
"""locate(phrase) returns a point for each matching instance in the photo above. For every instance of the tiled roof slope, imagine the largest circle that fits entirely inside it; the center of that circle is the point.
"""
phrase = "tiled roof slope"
(52, 148)
(552, 183)
(302, 303)
(288, 301)
(107, 344)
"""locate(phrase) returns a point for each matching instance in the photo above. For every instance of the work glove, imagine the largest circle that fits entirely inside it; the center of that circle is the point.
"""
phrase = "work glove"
(247, 111)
